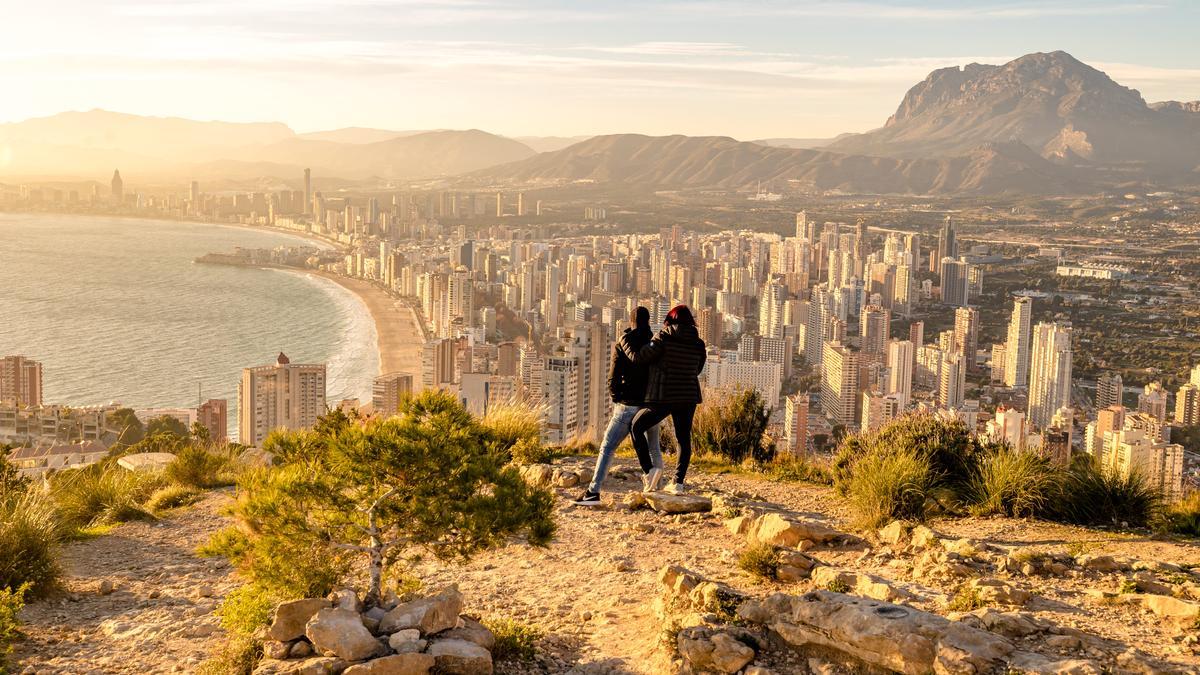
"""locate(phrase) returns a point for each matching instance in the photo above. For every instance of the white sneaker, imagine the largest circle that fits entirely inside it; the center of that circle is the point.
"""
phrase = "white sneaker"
(675, 489)
(651, 480)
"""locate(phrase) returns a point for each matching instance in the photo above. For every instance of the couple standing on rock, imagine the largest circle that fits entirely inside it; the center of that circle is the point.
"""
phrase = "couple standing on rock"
(652, 377)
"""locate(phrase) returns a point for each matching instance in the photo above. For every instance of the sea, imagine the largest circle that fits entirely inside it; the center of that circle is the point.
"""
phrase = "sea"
(116, 310)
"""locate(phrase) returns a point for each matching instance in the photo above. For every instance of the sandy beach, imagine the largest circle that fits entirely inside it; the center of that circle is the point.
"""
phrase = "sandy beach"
(400, 338)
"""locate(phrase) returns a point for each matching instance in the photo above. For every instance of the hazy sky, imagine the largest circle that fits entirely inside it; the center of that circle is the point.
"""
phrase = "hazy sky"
(752, 69)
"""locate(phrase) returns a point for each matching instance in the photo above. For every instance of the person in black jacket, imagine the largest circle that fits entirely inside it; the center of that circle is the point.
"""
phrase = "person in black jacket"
(627, 386)
(676, 356)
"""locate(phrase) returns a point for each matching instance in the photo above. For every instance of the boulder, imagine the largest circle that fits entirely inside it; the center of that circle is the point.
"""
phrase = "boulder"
(319, 665)
(922, 538)
(538, 475)
(708, 651)
(775, 529)
(867, 585)
(290, 618)
(341, 632)
(672, 504)
(995, 591)
(460, 657)
(1100, 563)
(1167, 607)
(431, 614)
(633, 501)
(565, 478)
(895, 532)
(345, 598)
(399, 664)
(739, 525)
(794, 565)
(471, 631)
(407, 641)
(881, 634)
(1008, 624)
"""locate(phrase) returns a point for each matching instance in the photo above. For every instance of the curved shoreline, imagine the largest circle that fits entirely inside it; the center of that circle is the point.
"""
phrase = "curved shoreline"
(398, 336)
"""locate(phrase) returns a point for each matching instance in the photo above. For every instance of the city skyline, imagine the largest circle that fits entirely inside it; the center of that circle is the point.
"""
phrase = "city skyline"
(809, 70)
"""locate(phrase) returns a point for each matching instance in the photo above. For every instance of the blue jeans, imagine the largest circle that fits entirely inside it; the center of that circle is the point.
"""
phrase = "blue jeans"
(618, 429)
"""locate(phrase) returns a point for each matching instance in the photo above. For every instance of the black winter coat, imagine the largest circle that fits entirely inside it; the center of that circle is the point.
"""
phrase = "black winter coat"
(626, 381)
(676, 356)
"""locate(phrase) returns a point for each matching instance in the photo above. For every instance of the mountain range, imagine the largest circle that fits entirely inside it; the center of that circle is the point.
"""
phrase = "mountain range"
(1044, 123)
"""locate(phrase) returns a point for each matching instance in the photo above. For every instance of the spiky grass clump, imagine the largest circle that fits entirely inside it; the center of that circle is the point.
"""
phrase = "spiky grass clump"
(102, 494)
(514, 639)
(733, 426)
(760, 561)
(171, 497)
(1093, 495)
(1012, 483)
(887, 486)
(1183, 517)
(512, 421)
(199, 467)
(30, 534)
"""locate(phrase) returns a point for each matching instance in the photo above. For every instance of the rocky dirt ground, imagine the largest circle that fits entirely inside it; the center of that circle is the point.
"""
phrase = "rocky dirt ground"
(592, 592)
(137, 600)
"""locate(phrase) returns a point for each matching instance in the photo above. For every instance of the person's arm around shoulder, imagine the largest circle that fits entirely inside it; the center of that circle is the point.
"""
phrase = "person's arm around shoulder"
(650, 352)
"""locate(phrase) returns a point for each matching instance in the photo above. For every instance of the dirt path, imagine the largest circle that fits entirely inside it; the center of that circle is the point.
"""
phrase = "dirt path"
(158, 618)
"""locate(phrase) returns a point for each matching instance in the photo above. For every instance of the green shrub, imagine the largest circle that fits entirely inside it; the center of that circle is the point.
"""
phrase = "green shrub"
(512, 421)
(11, 602)
(1183, 517)
(30, 534)
(236, 656)
(199, 467)
(531, 451)
(886, 486)
(514, 640)
(171, 497)
(760, 561)
(248, 608)
(790, 468)
(1012, 483)
(102, 494)
(966, 599)
(948, 447)
(733, 426)
(1092, 495)
(837, 585)
(230, 543)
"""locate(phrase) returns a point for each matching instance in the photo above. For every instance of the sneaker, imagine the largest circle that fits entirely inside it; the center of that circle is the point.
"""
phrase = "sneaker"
(588, 498)
(675, 489)
(651, 480)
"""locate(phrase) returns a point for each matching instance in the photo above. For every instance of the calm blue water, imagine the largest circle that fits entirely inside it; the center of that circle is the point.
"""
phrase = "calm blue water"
(117, 311)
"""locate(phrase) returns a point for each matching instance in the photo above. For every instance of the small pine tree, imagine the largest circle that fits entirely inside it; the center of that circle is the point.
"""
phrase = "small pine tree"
(426, 479)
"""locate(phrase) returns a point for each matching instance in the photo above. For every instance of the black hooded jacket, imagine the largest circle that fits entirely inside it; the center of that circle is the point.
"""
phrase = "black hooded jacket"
(675, 356)
(626, 381)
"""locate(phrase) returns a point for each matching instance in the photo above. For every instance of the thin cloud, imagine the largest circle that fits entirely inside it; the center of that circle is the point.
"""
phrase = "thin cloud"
(875, 10)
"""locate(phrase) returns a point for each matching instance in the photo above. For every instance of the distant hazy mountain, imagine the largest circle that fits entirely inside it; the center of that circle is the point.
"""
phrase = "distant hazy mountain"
(1061, 108)
(801, 143)
(717, 161)
(355, 135)
(149, 149)
(421, 155)
(549, 143)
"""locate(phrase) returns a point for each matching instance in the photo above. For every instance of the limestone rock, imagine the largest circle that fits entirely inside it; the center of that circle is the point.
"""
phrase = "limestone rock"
(460, 657)
(346, 598)
(867, 585)
(538, 475)
(924, 538)
(672, 504)
(398, 664)
(1000, 592)
(881, 634)
(707, 651)
(342, 632)
(320, 665)
(1100, 563)
(431, 614)
(290, 618)
(471, 631)
(1009, 624)
(895, 532)
(1167, 607)
(739, 525)
(407, 641)
(775, 529)
(565, 478)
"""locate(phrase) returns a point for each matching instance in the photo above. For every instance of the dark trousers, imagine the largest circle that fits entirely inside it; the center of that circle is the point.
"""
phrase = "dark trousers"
(681, 415)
